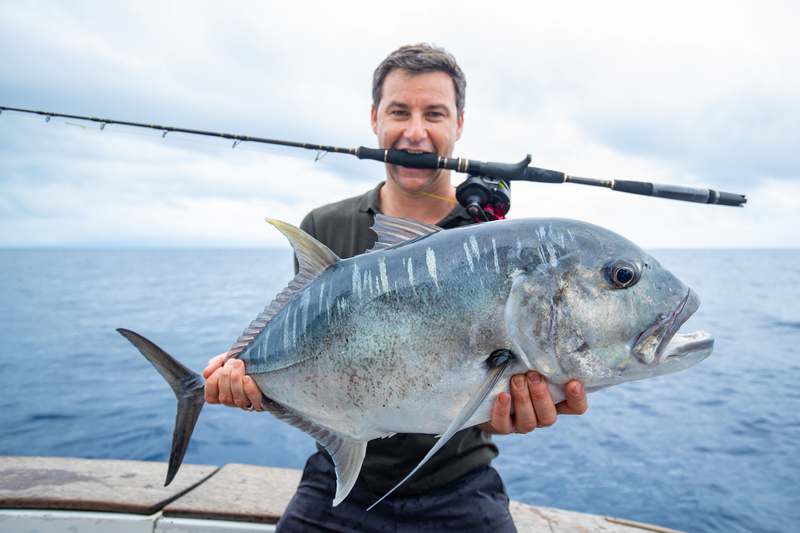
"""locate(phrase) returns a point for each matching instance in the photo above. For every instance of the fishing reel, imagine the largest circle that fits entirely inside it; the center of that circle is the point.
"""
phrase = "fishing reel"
(484, 198)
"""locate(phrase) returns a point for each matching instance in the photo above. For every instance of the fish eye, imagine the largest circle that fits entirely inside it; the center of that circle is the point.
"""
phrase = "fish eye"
(622, 274)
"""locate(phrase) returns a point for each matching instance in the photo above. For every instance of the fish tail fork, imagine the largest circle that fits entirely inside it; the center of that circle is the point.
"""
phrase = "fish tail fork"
(188, 388)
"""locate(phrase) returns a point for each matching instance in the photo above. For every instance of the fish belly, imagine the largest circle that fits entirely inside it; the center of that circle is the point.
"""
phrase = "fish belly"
(412, 379)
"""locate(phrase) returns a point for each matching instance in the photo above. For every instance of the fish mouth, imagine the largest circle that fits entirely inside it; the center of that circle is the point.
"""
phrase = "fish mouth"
(661, 341)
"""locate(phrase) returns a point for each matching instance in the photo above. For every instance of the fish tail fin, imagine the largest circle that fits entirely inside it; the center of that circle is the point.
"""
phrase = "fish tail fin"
(188, 388)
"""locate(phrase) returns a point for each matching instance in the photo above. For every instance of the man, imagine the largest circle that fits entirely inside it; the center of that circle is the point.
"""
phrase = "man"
(418, 106)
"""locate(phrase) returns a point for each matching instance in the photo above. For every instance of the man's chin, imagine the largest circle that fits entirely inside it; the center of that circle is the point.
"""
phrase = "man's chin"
(414, 184)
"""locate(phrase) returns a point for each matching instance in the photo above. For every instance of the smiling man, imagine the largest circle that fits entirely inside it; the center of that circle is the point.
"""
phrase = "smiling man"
(418, 105)
(417, 112)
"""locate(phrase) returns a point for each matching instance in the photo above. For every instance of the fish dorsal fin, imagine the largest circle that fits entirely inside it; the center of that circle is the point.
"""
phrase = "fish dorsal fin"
(347, 453)
(397, 230)
(313, 257)
(486, 387)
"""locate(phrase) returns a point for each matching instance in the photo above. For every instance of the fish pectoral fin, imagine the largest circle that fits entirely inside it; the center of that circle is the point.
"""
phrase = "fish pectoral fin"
(486, 387)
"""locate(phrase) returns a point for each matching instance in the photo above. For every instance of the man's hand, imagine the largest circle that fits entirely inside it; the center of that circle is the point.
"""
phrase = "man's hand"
(533, 405)
(229, 386)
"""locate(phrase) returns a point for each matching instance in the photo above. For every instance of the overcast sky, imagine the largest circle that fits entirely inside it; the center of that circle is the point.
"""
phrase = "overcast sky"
(699, 94)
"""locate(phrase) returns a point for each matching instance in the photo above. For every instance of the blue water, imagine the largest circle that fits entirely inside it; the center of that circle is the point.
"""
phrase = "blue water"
(713, 448)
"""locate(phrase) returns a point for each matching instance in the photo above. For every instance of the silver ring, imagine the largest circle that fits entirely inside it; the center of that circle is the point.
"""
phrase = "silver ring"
(250, 409)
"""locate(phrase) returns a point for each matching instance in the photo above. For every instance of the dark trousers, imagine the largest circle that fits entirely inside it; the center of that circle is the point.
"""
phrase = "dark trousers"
(477, 502)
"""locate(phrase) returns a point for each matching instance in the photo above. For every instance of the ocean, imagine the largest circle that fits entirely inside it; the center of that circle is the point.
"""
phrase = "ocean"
(713, 448)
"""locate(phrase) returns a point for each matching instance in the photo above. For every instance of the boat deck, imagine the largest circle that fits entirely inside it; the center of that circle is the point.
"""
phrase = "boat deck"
(49, 494)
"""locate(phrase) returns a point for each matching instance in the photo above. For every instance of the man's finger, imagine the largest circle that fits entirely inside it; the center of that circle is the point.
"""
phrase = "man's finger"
(576, 402)
(546, 412)
(253, 393)
(525, 419)
(225, 394)
(214, 364)
(501, 423)
(212, 388)
(240, 398)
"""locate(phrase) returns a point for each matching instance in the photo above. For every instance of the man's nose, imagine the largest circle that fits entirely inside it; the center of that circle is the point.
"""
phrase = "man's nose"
(416, 130)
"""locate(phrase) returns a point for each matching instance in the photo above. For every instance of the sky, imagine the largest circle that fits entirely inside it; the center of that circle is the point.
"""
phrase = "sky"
(696, 94)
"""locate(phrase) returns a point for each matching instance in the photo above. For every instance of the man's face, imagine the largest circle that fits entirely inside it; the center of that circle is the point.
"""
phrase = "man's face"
(417, 112)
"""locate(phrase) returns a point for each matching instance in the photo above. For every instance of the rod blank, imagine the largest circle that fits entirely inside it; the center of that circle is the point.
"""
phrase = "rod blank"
(502, 171)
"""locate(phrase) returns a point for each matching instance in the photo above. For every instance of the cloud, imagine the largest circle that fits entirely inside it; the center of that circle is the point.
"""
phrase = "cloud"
(699, 95)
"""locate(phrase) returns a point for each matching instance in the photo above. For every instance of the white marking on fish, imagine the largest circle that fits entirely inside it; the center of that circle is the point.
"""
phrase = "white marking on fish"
(286, 331)
(294, 327)
(496, 261)
(304, 299)
(321, 296)
(368, 283)
(474, 243)
(328, 307)
(410, 272)
(430, 258)
(356, 280)
(384, 277)
(552, 251)
(542, 258)
(519, 249)
(469, 257)
(571, 236)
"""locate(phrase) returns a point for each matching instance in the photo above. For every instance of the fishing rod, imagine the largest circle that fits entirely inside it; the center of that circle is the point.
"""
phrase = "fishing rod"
(486, 190)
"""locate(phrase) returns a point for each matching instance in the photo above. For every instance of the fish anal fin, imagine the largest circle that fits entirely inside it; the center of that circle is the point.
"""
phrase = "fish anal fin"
(347, 459)
(397, 230)
(486, 387)
(347, 452)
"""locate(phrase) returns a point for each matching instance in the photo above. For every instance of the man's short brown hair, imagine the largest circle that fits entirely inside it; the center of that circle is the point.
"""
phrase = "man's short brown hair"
(416, 59)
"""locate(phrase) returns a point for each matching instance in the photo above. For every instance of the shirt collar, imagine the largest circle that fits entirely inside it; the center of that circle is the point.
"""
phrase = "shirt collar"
(371, 203)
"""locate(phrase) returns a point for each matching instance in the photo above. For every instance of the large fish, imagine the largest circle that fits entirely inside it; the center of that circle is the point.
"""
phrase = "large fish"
(423, 332)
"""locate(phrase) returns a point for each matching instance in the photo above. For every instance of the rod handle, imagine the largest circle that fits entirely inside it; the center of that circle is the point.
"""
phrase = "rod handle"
(399, 157)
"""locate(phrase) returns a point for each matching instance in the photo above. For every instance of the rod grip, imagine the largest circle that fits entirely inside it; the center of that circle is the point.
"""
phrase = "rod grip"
(399, 157)
(633, 187)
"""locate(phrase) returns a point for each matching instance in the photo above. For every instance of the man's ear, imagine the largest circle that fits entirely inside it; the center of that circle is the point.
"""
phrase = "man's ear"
(374, 117)
(460, 125)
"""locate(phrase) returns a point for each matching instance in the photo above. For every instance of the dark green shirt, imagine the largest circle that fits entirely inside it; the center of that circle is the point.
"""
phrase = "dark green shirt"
(344, 227)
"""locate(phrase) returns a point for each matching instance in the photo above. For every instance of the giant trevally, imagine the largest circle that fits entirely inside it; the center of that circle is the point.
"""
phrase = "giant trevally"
(423, 332)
